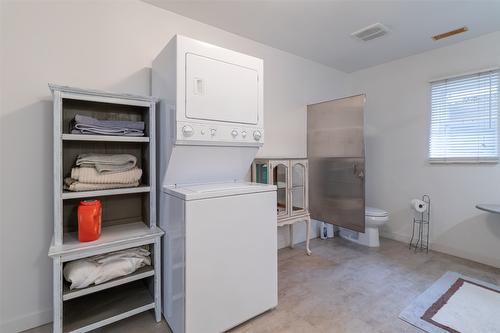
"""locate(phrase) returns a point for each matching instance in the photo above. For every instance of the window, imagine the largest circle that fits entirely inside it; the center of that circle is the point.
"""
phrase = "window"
(464, 120)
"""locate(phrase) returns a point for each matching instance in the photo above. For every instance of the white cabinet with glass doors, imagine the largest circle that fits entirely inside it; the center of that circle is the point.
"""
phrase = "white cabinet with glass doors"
(290, 176)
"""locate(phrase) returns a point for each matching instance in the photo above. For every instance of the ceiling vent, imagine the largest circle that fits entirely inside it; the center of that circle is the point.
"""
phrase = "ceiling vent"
(371, 32)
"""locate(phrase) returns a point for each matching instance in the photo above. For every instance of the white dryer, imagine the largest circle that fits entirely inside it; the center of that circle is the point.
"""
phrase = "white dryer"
(219, 251)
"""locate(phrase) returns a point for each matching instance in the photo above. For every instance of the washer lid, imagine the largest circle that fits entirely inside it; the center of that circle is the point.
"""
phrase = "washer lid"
(214, 190)
(375, 212)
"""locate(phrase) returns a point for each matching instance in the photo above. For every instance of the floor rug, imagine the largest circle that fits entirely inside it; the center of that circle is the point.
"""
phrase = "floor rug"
(456, 304)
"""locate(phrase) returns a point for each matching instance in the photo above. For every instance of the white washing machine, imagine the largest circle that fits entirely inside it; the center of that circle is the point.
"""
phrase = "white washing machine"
(220, 248)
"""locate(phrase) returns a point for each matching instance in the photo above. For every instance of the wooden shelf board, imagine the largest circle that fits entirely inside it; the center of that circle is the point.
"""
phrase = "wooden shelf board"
(100, 193)
(139, 274)
(110, 236)
(96, 310)
(111, 138)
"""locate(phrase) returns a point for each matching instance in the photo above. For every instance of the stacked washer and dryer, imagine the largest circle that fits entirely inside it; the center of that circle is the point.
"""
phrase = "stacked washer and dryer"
(220, 249)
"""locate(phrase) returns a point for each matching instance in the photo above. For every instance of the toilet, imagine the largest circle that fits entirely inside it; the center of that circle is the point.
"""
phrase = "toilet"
(374, 219)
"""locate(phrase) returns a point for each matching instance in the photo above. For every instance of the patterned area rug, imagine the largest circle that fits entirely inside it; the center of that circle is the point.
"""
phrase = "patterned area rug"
(456, 304)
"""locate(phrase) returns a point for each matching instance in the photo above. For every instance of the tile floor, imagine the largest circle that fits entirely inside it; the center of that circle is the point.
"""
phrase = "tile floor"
(342, 288)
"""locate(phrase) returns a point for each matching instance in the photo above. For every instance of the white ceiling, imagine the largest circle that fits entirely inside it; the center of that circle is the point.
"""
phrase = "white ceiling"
(320, 30)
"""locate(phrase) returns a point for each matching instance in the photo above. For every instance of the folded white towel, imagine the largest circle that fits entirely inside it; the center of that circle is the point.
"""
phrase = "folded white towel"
(107, 162)
(76, 186)
(90, 175)
(98, 269)
(81, 273)
(121, 264)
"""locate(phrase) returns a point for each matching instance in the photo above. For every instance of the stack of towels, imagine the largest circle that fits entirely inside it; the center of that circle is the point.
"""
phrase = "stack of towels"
(99, 269)
(88, 125)
(103, 171)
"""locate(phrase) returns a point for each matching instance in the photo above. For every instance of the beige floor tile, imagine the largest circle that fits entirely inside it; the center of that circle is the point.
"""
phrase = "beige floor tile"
(342, 288)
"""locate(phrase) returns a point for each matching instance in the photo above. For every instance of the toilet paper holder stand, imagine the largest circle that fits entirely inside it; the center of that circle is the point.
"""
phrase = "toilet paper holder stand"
(420, 230)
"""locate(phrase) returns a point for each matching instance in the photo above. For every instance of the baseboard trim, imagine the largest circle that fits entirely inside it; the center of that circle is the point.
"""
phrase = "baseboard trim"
(466, 255)
(446, 250)
(26, 322)
(395, 236)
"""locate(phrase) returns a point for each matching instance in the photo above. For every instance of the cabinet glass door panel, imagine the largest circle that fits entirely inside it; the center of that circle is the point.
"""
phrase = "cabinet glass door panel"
(280, 177)
(298, 188)
(298, 200)
(261, 173)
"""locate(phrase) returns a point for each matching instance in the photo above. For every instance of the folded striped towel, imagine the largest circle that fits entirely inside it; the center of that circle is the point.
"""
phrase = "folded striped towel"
(90, 175)
(107, 162)
(85, 120)
(88, 125)
(76, 186)
(89, 129)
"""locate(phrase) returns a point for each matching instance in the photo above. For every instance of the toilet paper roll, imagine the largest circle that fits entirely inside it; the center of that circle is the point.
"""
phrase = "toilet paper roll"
(419, 205)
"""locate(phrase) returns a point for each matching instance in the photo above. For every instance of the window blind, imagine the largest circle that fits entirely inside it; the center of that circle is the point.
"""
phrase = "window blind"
(464, 119)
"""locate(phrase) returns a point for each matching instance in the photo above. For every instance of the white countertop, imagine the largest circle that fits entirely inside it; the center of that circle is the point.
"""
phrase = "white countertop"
(491, 208)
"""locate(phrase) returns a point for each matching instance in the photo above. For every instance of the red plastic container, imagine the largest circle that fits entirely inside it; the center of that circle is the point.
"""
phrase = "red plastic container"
(89, 220)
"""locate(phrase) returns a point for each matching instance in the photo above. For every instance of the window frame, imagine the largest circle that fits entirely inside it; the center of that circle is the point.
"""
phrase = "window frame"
(462, 160)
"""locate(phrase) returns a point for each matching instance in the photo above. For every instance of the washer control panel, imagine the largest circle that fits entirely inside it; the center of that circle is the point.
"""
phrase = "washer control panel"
(220, 134)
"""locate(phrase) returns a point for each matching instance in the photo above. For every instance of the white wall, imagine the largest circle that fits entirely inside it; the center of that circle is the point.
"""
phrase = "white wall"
(110, 45)
(104, 45)
(397, 127)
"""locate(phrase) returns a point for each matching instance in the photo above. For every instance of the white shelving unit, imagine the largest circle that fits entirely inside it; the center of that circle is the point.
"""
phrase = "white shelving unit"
(129, 214)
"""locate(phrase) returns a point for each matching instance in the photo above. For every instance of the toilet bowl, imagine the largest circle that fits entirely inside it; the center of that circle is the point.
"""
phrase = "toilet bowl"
(374, 219)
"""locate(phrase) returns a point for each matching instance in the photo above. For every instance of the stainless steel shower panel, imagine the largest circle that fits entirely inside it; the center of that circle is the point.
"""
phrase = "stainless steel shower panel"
(335, 147)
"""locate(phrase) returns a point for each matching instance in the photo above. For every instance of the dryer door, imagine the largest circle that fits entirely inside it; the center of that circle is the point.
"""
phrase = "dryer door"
(221, 91)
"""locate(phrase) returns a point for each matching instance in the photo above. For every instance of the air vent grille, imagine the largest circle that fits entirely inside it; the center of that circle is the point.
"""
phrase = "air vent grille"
(450, 33)
(371, 32)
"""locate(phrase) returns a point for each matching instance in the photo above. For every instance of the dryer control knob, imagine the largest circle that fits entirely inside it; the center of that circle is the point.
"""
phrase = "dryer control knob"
(187, 130)
(234, 133)
(244, 134)
(213, 131)
(257, 135)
